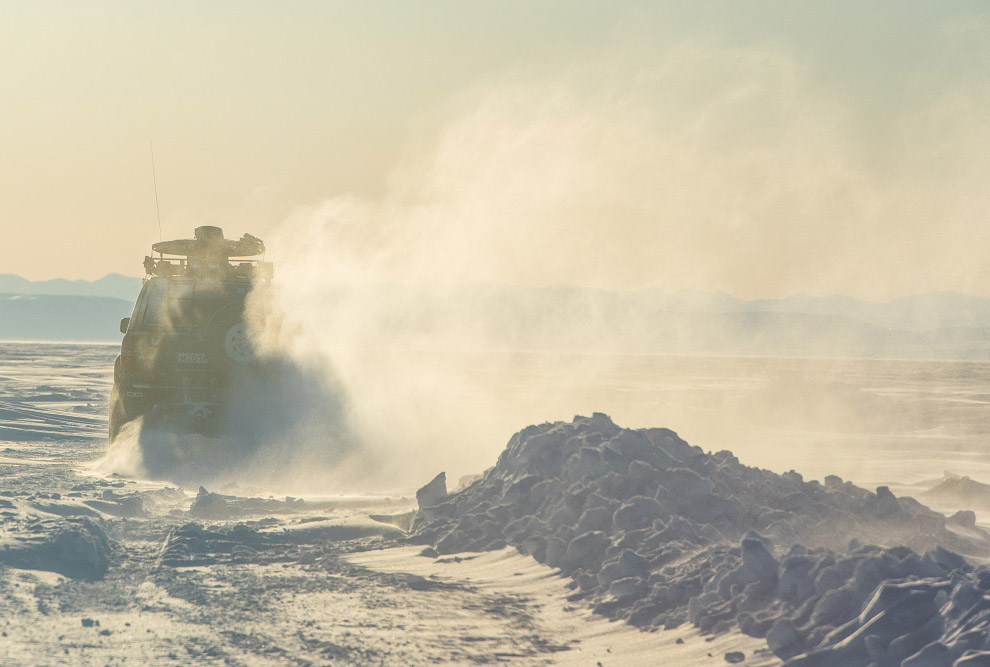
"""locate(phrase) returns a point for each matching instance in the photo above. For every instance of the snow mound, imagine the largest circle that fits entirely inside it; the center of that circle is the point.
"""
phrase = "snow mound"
(55, 537)
(657, 532)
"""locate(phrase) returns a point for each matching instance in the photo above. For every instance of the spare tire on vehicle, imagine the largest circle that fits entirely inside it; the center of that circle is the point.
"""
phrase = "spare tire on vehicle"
(230, 339)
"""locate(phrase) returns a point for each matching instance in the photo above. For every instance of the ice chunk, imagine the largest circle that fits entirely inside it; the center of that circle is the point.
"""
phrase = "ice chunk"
(628, 587)
(637, 512)
(587, 550)
(783, 639)
(433, 493)
(758, 563)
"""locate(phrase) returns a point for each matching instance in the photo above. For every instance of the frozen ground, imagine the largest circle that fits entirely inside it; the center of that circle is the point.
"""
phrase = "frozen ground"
(107, 570)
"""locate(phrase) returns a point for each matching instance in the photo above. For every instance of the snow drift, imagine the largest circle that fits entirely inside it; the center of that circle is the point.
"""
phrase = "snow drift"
(64, 537)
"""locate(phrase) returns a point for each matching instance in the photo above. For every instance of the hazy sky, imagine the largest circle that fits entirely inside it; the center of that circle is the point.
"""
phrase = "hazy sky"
(759, 148)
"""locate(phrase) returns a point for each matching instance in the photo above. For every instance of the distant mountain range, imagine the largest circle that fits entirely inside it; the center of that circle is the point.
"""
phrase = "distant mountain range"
(74, 310)
(61, 317)
(570, 319)
(111, 285)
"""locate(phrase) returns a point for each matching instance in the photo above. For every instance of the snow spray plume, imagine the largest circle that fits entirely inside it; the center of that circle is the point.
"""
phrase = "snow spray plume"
(281, 419)
(696, 166)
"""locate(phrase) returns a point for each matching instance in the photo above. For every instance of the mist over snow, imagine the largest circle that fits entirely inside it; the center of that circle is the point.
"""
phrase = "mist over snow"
(688, 163)
(682, 165)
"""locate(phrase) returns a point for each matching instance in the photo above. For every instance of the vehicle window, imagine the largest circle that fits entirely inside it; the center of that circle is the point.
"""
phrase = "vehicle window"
(178, 291)
(156, 298)
(195, 303)
(138, 308)
(180, 302)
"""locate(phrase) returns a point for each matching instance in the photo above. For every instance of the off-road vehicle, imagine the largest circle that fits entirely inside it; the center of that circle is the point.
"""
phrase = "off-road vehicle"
(187, 339)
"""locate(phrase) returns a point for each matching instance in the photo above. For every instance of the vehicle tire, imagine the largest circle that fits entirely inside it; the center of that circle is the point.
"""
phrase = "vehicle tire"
(118, 413)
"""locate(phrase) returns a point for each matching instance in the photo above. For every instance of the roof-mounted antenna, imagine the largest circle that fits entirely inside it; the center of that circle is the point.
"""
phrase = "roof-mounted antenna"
(154, 179)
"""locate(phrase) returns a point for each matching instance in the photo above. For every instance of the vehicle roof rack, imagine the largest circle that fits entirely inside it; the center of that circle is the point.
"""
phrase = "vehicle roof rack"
(209, 253)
